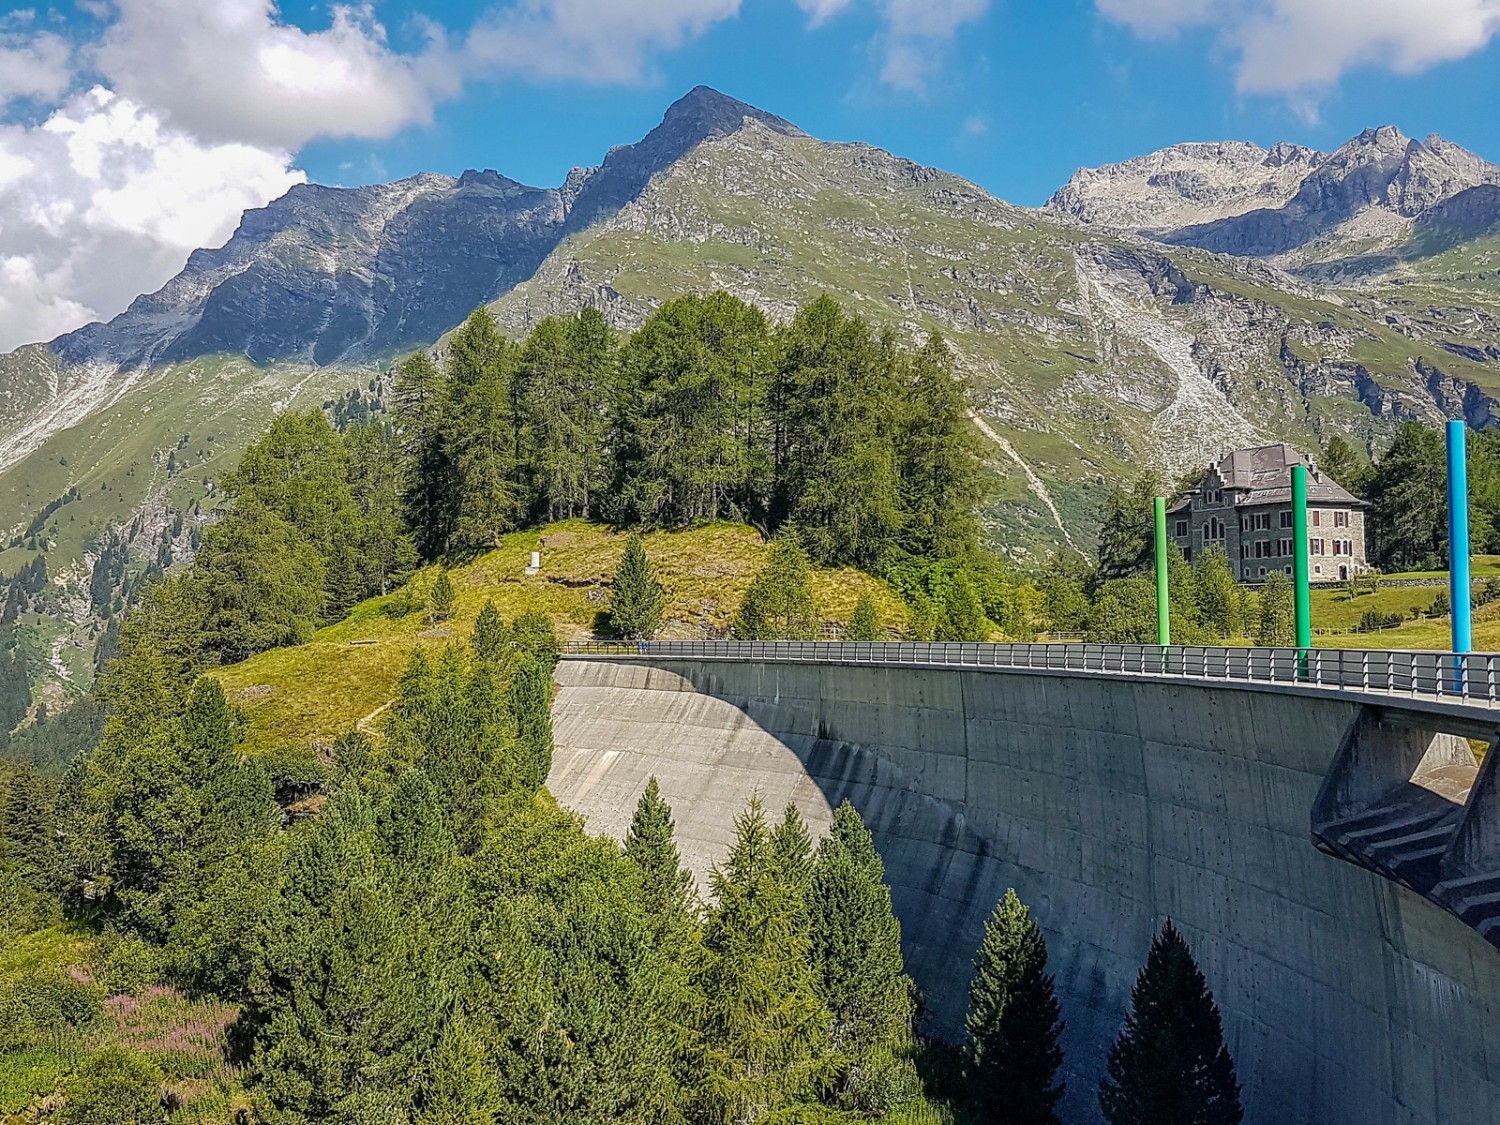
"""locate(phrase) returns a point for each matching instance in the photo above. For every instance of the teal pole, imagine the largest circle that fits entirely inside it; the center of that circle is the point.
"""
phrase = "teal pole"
(1163, 604)
(1458, 550)
(1299, 564)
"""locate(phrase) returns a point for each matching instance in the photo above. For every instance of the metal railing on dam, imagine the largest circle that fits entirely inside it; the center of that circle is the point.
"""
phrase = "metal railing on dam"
(1470, 678)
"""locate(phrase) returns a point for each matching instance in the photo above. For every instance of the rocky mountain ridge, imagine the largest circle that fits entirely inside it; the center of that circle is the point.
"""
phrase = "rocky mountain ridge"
(1299, 209)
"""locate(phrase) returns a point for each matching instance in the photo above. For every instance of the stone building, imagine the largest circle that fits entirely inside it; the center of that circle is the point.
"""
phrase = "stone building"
(1244, 504)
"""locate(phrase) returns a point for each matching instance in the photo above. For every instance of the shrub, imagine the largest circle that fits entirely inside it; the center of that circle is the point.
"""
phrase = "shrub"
(115, 1087)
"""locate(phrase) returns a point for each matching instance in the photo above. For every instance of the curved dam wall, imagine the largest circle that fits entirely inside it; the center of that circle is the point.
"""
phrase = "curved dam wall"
(1108, 804)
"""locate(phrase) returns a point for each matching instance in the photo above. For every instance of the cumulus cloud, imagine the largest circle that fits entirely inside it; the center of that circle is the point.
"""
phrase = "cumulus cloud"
(594, 40)
(33, 66)
(913, 37)
(231, 70)
(1295, 47)
(103, 199)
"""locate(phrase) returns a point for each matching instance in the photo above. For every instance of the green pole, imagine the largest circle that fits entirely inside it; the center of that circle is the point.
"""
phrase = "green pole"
(1163, 605)
(1299, 562)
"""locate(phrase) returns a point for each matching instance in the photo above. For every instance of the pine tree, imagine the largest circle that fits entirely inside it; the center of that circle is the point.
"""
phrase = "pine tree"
(636, 598)
(1014, 1020)
(1170, 1066)
(491, 639)
(650, 845)
(779, 606)
(864, 625)
(1344, 466)
(482, 433)
(962, 617)
(1277, 628)
(440, 599)
(421, 409)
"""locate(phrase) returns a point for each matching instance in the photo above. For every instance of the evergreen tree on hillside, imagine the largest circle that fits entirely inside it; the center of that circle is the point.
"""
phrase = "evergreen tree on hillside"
(636, 598)
(1277, 627)
(422, 415)
(650, 845)
(531, 704)
(28, 830)
(694, 440)
(441, 598)
(766, 1042)
(779, 606)
(837, 472)
(864, 625)
(940, 456)
(483, 437)
(1126, 538)
(1014, 1021)
(387, 555)
(1408, 502)
(260, 584)
(962, 617)
(1170, 1066)
(792, 852)
(1346, 467)
(491, 639)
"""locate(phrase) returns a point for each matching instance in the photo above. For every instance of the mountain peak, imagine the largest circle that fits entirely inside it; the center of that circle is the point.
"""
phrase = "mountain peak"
(704, 112)
(700, 115)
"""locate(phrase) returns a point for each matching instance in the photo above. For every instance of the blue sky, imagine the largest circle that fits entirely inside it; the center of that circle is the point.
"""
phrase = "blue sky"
(133, 131)
(1026, 93)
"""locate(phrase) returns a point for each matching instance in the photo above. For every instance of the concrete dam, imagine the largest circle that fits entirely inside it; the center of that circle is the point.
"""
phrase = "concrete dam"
(1331, 848)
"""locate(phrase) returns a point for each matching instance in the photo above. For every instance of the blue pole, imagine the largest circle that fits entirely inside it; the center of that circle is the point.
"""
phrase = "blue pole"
(1458, 550)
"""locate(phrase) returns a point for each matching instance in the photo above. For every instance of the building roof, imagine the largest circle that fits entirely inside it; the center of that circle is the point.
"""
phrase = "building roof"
(1263, 475)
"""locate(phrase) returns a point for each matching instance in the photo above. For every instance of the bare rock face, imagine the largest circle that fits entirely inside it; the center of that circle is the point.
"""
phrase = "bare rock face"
(1185, 185)
(1236, 198)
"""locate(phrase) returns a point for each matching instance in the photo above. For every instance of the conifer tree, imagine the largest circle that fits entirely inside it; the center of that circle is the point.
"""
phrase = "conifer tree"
(856, 939)
(650, 845)
(766, 1042)
(422, 415)
(792, 852)
(940, 456)
(483, 437)
(779, 605)
(531, 704)
(1013, 1020)
(1215, 595)
(440, 599)
(1277, 627)
(491, 639)
(1170, 1066)
(636, 598)
(1125, 539)
(962, 617)
(864, 625)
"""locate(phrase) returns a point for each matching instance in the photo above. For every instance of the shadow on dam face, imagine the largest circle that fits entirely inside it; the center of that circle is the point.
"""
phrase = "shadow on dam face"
(1349, 996)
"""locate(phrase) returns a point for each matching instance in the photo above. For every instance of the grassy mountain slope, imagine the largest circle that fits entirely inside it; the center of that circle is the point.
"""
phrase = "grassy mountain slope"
(1092, 354)
(348, 672)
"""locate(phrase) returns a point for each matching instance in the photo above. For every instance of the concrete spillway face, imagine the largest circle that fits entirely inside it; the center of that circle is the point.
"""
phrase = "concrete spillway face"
(1348, 999)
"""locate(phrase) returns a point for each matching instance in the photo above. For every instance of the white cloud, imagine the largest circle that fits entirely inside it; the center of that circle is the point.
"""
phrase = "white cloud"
(231, 70)
(914, 34)
(1294, 47)
(33, 66)
(103, 200)
(593, 40)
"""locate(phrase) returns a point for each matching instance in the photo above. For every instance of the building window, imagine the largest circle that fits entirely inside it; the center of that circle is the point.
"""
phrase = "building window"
(1317, 570)
(1286, 519)
(1283, 547)
(1340, 519)
(1182, 529)
(1316, 521)
(1315, 546)
(1187, 554)
(1244, 550)
(1262, 572)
